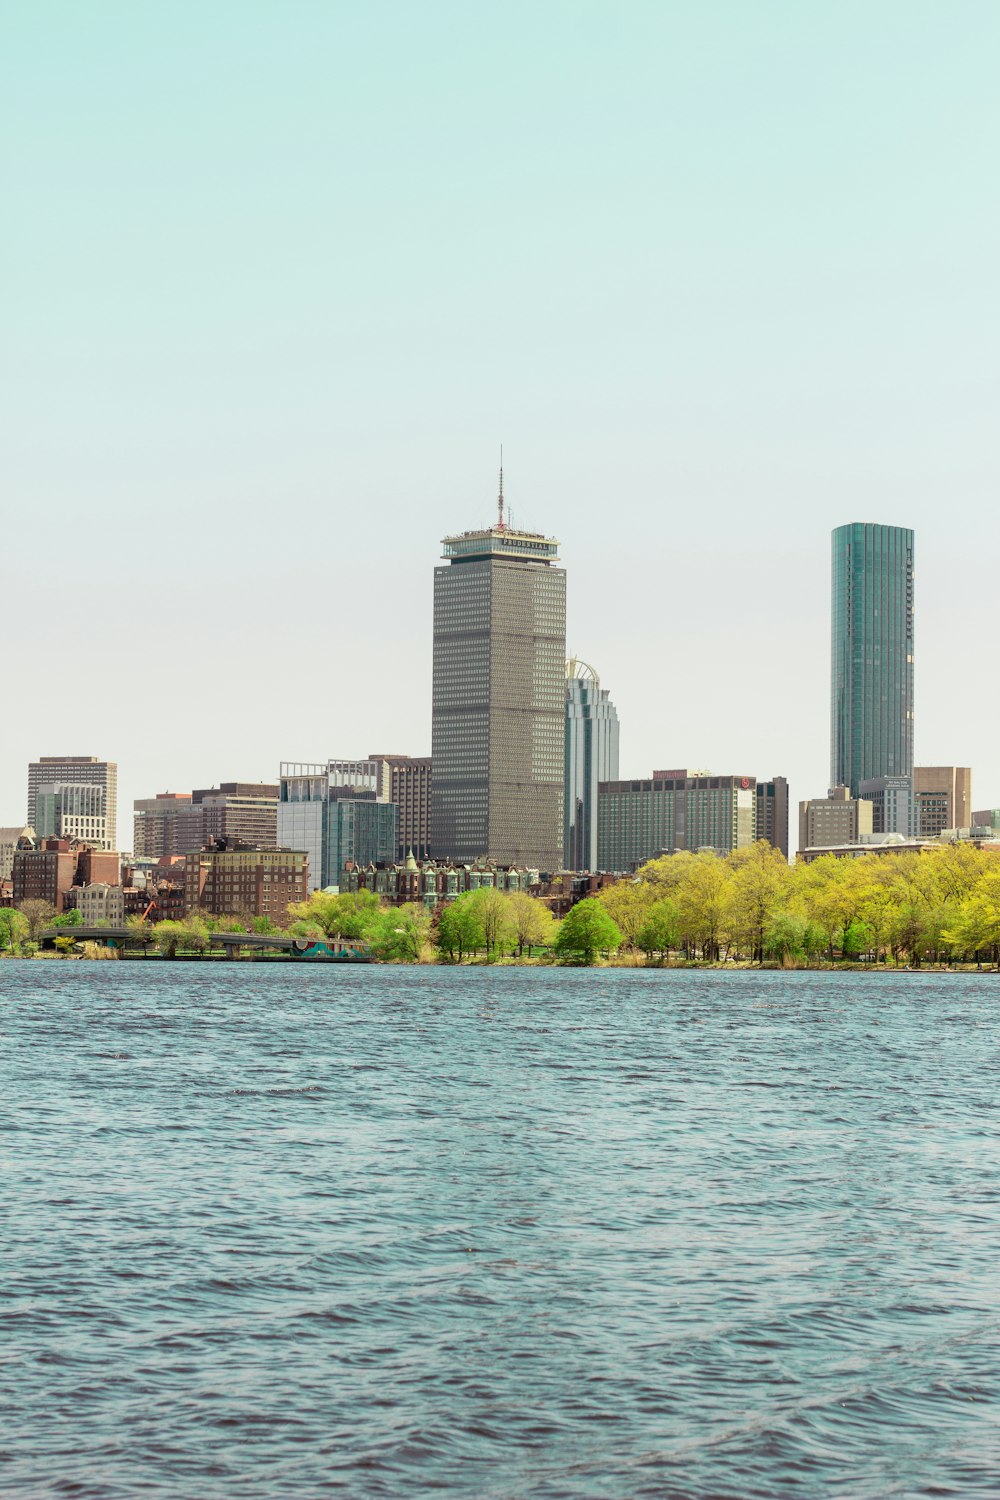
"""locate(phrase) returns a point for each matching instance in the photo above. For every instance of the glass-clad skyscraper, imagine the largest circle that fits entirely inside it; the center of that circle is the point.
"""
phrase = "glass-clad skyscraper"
(591, 757)
(498, 711)
(871, 729)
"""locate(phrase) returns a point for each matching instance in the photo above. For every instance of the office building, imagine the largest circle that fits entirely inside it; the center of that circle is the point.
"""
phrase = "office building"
(239, 881)
(167, 824)
(246, 810)
(872, 657)
(837, 818)
(675, 810)
(406, 780)
(988, 820)
(74, 811)
(498, 706)
(943, 798)
(591, 757)
(892, 803)
(77, 770)
(772, 813)
(336, 811)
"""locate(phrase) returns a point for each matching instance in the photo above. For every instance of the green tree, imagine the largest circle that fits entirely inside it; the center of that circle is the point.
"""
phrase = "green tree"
(702, 904)
(533, 923)
(460, 929)
(660, 930)
(14, 930)
(400, 933)
(585, 931)
(757, 888)
(351, 914)
(628, 903)
(493, 908)
(71, 918)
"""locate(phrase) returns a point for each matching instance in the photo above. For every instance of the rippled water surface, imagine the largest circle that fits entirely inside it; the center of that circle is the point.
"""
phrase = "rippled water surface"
(497, 1233)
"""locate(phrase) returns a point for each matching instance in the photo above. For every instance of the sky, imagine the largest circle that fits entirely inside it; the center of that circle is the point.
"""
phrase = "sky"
(279, 279)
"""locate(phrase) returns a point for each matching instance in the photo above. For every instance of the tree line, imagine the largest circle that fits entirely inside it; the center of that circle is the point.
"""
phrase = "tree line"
(750, 906)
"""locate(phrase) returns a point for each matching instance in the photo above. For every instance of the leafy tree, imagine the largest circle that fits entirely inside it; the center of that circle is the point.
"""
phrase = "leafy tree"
(401, 932)
(352, 914)
(585, 931)
(629, 902)
(702, 904)
(532, 921)
(189, 936)
(660, 930)
(64, 945)
(71, 918)
(759, 882)
(493, 909)
(13, 929)
(460, 928)
(38, 915)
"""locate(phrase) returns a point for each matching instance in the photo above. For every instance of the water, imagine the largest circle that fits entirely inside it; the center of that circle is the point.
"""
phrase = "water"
(497, 1233)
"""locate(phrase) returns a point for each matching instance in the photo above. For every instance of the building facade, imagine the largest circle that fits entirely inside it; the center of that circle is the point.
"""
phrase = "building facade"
(893, 809)
(245, 882)
(639, 820)
(591, 757)
(75, 811)
(943, 798)
(77, 770)
(10, 839)
(835, 819)
(47, 873)
(167, 824)
(498, 704)
(406, 780)
(246, 810)
(772, 812)
(99, 905)
(433, 884)
(336, 811)
(872, 654)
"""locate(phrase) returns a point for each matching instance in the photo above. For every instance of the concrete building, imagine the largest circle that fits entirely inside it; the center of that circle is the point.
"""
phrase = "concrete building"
(241, 881)
(872, 658)
(336, 811)
(74, 811)
(591, 757)
(675, 810)
(943, 798)
(892, 803)
(988, 820)
(406, 780)
(77, 770)
(772, 812)
(498, 705)
(837, 818)
(246, 810)
(169, 823)
(98, 904)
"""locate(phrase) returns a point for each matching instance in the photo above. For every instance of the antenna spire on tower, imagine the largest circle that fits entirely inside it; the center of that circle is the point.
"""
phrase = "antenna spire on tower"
(500, 496)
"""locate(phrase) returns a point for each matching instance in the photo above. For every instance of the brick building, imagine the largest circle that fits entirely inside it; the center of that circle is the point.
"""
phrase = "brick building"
(244, 881)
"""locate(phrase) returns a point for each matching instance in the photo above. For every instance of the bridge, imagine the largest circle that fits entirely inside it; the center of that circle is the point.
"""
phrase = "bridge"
(232, 944)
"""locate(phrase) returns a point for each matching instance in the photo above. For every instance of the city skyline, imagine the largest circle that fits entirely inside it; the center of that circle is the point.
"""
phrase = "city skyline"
(710, 322)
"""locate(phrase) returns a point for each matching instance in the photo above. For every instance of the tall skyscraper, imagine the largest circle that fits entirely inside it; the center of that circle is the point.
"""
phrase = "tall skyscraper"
(871, 729)
(77, 770)
(498, 708)
(591, 757)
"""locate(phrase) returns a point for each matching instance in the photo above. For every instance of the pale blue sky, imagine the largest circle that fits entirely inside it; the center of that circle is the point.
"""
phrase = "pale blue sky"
(280, 277)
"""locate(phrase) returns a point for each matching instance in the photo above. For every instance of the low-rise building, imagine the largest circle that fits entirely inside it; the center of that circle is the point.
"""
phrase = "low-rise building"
(99, 905)
(47, 873)
(10, 840)
(434, 882)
